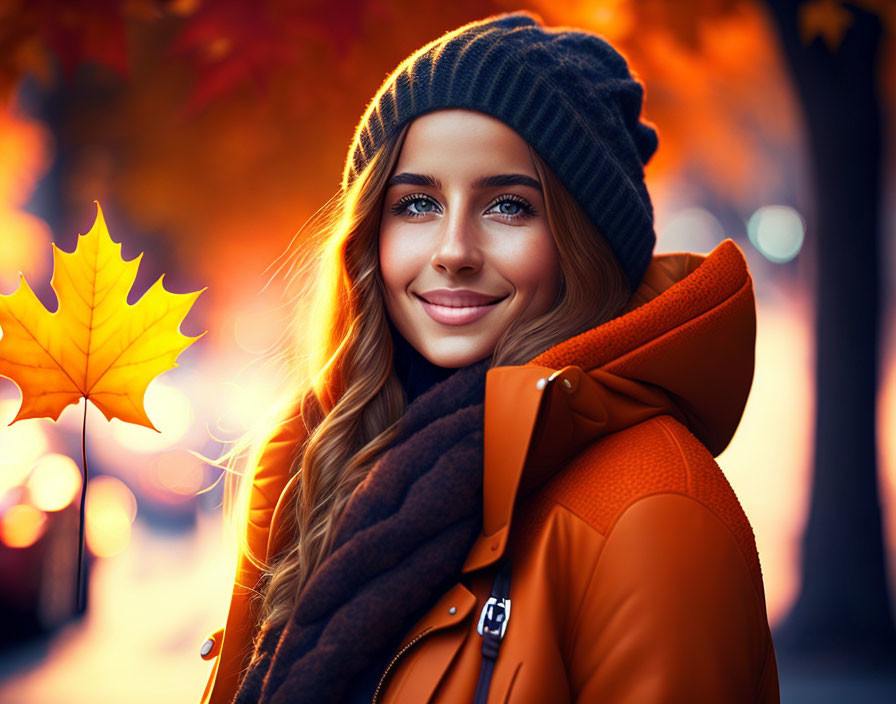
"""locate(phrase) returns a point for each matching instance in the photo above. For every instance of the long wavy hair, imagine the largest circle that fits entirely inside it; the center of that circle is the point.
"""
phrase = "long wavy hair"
(350, 399)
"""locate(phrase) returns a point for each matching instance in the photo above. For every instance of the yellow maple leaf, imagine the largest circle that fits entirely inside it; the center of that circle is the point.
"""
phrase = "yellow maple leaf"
(95, 345)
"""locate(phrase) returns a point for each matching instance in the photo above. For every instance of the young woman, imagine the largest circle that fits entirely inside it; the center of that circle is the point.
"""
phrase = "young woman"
(498, 482)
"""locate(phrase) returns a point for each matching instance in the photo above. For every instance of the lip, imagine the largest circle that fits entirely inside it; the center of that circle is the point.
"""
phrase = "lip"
(457, 306)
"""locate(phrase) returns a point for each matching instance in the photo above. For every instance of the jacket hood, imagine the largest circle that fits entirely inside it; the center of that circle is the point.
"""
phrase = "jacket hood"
(684, 347)
(688, 334)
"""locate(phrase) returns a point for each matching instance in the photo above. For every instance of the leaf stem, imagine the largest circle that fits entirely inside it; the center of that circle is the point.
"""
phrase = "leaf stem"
(81, 584)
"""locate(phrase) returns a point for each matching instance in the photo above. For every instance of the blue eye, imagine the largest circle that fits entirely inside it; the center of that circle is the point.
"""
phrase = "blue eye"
(513, 207)
(422, 205)
(516, 208)
(415, 206)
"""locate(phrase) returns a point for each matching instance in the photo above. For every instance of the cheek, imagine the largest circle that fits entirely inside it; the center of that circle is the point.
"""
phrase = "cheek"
(533, 267)
(397, 262)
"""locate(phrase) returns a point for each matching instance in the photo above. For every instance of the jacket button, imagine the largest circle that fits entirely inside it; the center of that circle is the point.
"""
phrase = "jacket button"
(452, 610)
(207, 647)
(541, 383)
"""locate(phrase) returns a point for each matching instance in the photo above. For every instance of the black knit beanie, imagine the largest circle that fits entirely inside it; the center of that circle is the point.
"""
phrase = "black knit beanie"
(568, 93)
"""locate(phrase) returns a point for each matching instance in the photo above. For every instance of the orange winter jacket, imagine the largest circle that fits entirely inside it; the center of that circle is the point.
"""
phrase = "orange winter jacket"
(635, 574)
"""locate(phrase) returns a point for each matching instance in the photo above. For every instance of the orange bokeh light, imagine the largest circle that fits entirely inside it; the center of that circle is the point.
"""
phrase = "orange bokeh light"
(24, 157)
(22, 525)
(54, 482)
(111, 508)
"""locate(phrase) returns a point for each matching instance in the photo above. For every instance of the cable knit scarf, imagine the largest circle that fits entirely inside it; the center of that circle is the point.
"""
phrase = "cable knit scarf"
(400, 544)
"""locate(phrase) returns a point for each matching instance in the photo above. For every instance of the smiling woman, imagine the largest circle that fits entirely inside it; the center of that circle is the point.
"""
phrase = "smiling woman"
(510, 401)
(464, 252)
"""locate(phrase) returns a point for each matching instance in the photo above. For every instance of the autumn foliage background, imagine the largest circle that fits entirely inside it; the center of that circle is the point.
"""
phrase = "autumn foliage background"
(210, 131)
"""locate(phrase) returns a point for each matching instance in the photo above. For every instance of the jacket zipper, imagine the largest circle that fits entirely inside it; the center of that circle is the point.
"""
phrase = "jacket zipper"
(376, 694)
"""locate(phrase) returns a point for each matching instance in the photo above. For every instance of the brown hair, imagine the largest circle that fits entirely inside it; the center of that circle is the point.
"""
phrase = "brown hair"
(351, 400)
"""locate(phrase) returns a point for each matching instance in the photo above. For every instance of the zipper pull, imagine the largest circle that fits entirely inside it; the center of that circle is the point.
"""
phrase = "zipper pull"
(492, 625)
(494, 616)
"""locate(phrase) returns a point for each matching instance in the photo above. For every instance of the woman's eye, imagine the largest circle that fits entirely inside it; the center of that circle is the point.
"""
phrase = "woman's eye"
(513, 207)
(422, 206)
(415, 206)
(508, 207)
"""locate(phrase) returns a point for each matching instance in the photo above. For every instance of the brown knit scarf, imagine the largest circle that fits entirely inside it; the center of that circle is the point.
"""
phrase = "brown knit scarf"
(400, 544)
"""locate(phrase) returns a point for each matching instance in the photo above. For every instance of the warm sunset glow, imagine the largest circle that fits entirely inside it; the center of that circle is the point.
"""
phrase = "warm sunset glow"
(226, 132)
(54, 482)
(111, 508)
(22, 525)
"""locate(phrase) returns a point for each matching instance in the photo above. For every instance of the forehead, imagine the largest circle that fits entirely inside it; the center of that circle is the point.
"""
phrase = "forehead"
(463, 142)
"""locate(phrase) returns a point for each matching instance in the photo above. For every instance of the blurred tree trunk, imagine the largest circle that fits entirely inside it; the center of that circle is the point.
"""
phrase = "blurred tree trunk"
(843, 607)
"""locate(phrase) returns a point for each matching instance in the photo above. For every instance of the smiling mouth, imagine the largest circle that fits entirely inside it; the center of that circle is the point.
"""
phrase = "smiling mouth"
(443, 303)
(452, 313)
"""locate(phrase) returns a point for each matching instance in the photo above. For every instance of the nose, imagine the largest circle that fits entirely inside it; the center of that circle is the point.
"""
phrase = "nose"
(457, 250)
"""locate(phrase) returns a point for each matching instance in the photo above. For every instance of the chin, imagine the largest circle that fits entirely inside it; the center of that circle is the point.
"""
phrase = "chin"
(454, 356)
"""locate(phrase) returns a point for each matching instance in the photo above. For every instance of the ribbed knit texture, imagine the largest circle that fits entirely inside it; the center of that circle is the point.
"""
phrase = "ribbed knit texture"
(567, 93)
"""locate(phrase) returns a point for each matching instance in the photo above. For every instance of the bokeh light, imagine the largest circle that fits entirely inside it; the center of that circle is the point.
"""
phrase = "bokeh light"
(169, 409)
(241, 405)
(24, 157)
(777, 231)
(54, 482)
(173, 477)
(22, 525)
(180, 472)
(690, 230)
(21, 444)
(111, 508)
(26, 247)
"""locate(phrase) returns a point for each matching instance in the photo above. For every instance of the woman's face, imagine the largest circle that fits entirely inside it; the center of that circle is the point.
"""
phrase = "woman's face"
(465, 248)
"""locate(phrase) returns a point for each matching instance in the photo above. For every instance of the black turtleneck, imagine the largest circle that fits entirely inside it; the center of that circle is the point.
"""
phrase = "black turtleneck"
(416, 373)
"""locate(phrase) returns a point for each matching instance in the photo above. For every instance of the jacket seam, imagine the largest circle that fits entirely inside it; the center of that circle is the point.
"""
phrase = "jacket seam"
(683, 457)
(769, 652)
(759, 612)
(569, 646)
(637, 498)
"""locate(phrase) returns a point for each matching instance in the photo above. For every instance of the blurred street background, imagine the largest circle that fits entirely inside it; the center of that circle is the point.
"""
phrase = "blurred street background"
(210, 131)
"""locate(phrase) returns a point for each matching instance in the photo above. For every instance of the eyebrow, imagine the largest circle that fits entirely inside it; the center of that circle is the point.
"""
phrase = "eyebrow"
(479, 184)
